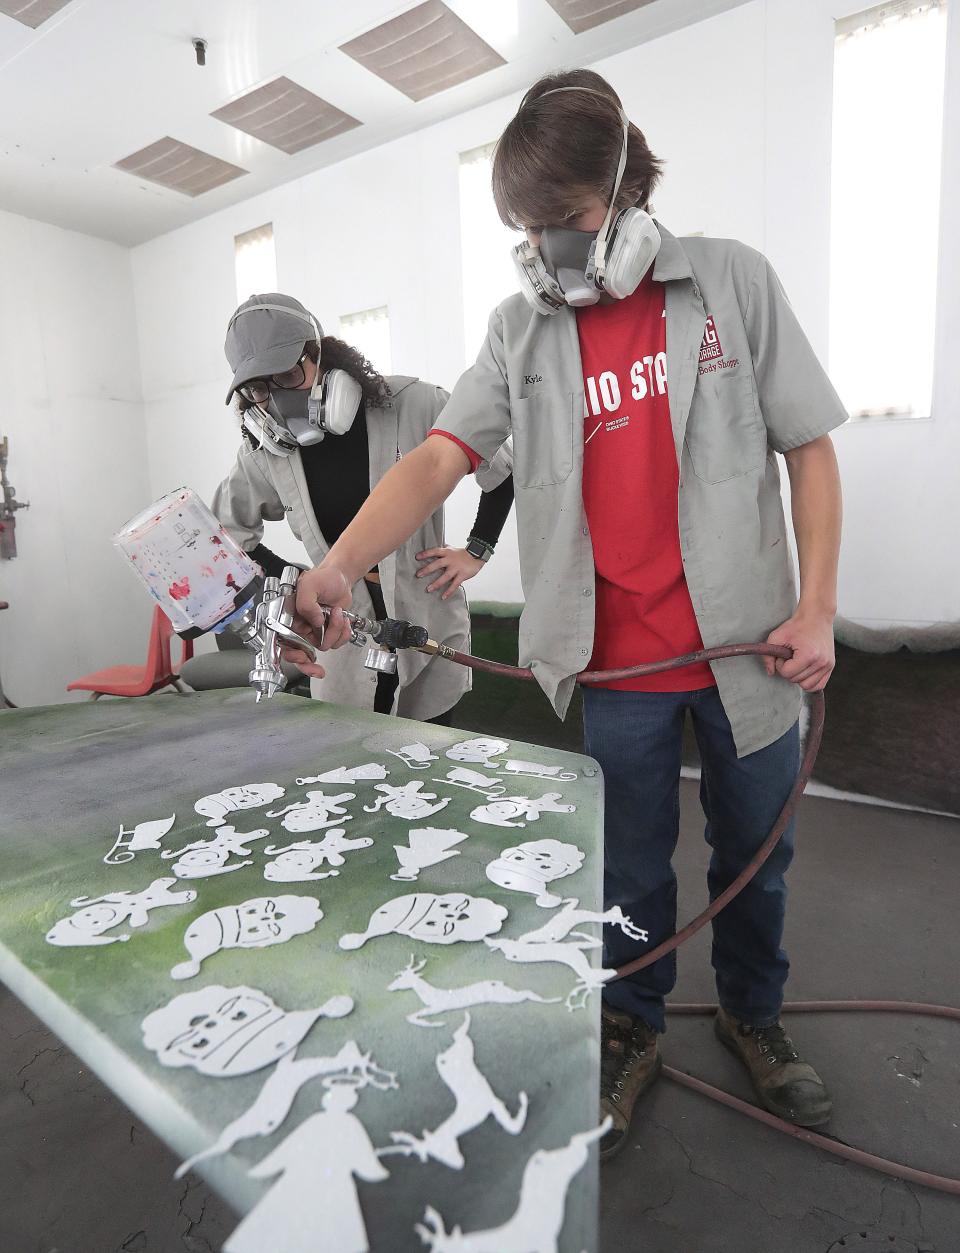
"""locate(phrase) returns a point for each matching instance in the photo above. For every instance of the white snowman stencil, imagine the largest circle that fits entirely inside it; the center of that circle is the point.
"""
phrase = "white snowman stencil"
(315, 813)
(406, 801)
(502, 812)
(478, 752)
(297, 863)
(531, 866)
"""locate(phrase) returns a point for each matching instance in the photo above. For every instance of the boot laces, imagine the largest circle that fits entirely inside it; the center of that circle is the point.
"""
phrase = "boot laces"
(774, 1044)
(620, 1050)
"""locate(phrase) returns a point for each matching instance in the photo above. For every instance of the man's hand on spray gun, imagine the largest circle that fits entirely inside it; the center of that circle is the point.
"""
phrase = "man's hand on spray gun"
(323, 585)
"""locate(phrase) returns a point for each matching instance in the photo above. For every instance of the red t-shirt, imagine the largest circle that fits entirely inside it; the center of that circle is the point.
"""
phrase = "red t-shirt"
(630, 481)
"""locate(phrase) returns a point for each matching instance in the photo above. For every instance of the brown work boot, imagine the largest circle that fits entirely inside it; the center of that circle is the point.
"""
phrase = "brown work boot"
(629, 1062)
(786, 1086)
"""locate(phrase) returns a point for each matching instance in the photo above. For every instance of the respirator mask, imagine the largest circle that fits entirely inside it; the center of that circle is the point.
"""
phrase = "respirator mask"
(570, 267)
(285, 418)
(330, 407)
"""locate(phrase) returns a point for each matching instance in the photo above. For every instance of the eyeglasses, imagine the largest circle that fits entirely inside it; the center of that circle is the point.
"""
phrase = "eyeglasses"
(257, 391)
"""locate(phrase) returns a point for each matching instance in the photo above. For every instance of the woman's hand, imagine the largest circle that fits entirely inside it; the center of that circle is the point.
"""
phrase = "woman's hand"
(453, 566)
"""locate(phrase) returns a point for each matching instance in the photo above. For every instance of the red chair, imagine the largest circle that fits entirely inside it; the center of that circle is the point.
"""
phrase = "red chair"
(158, 672)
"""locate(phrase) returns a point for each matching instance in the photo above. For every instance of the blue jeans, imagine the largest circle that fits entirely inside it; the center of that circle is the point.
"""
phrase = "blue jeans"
(637, 739)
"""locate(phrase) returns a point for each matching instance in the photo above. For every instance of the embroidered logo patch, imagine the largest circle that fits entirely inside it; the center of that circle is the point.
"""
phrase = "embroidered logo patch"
(710, 347)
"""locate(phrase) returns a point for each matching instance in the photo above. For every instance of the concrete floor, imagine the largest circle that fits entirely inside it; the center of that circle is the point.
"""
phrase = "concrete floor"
(873, 914)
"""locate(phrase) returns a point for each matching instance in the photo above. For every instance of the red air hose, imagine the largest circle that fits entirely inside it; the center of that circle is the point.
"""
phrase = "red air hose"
(815, 733)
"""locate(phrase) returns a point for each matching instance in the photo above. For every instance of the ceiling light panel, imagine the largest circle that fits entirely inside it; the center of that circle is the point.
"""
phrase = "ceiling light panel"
(32, 13)
(423, 51)
(286, 115)
(179, 167)
(581, 15)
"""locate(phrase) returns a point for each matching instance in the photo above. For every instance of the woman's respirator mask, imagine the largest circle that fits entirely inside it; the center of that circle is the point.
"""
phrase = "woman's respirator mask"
(570, 267)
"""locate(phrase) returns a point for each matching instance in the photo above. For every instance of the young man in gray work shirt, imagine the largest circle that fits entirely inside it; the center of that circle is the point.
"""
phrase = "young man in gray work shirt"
(648, 384)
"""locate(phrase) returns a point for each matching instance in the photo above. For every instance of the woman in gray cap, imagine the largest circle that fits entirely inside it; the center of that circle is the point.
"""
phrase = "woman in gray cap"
(320, 429)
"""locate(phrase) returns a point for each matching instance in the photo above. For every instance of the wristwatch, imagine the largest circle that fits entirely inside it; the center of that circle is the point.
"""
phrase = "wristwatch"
(479, 548)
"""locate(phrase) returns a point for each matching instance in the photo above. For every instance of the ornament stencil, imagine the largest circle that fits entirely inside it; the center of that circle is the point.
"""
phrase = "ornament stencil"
(257, 923)
(97, 914)
(475, 1101)
(443, 1000)
(222, 1032)
(432, 918)
(297, 863)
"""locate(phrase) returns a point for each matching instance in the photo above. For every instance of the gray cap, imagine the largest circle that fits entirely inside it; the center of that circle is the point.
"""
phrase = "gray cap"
(266, 336)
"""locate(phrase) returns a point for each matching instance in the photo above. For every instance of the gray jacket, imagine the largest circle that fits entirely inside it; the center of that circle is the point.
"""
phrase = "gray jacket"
(264, 487)
(743, 384)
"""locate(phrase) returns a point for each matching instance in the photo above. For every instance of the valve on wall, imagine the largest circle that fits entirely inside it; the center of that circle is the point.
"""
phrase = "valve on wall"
(8, 508)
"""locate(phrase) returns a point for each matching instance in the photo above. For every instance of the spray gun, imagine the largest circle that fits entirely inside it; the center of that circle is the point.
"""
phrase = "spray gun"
(204, 581)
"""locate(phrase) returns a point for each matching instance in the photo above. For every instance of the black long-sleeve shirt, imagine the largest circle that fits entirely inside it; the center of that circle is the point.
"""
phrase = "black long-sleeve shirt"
(337, 472)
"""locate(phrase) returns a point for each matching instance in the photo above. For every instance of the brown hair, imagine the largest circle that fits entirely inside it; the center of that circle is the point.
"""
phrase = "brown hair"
(335, 354)
(559, 149)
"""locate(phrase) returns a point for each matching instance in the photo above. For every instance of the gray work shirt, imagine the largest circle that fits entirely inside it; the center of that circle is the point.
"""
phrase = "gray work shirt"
(743, 384)
(264, 487)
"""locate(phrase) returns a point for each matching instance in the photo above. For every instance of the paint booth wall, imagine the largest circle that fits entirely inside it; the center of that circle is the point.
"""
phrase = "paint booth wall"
(740, 107)
(72, 411)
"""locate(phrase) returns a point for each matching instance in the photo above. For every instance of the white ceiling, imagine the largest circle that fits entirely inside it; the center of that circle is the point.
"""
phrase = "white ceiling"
(105, 78)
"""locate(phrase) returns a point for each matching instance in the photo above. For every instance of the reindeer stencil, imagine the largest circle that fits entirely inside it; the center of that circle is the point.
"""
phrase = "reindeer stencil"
(476, 1102)
(557, 941)
(443, 1000)
(538, 1219)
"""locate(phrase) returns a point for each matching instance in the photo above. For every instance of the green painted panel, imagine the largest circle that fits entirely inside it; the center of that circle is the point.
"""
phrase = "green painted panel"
(71, 775)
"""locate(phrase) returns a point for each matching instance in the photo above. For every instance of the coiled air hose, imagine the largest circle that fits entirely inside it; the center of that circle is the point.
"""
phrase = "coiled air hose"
(815, 733)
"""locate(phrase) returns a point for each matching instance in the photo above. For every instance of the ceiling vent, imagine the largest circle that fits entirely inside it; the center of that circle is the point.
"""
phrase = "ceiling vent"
(32, 13)
(423, 51)
(581, 15)
(179, 167)
(286, 115)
